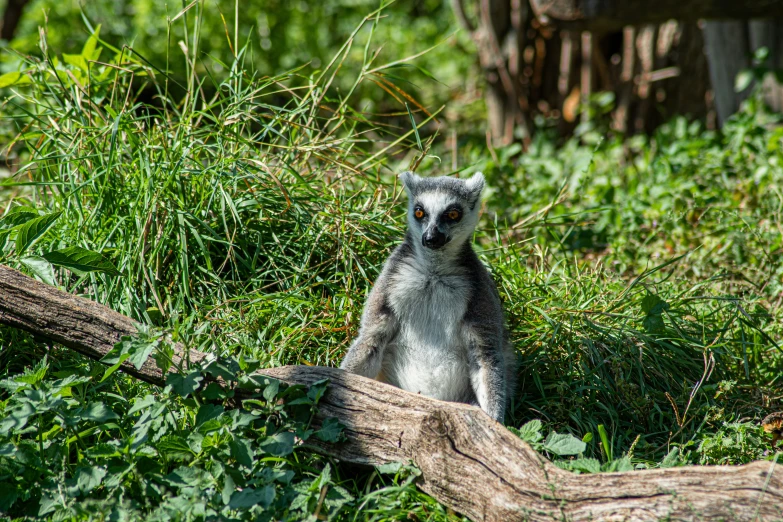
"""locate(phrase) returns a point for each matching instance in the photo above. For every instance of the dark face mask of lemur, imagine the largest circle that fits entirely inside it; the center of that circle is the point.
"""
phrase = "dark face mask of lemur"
(437, 226)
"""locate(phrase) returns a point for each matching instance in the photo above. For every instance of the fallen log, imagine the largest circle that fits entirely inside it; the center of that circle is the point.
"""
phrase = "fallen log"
(608, 15)
(468, 461)
(80, 324)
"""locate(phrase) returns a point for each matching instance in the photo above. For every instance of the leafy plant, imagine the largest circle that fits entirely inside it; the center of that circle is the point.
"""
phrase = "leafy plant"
(558, 444)
(149, 455)
(732, 443)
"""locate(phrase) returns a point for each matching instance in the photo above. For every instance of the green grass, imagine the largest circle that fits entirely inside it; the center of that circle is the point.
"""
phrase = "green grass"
(641, 278)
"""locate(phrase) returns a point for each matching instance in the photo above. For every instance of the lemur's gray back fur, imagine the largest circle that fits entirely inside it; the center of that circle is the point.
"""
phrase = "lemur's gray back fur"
(433, 323)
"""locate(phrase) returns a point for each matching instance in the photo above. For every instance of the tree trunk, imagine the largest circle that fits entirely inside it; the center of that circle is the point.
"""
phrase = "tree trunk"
(499, 35)
(729, 48)
(468, 461)
(11, 17)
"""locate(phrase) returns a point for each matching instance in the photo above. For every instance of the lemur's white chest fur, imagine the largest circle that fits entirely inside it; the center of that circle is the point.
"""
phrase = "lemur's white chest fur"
(428, 355)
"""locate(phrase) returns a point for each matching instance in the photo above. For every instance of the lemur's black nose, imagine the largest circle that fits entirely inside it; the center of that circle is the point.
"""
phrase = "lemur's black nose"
(433, 238)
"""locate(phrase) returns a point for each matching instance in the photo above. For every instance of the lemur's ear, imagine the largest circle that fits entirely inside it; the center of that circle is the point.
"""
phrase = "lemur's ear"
(410, 180)
(475, 184)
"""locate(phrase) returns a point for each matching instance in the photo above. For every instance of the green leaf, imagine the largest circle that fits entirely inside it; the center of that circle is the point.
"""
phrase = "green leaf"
(163, 357)
(41, 268)
(215, 391)
(585, 465)
(228, 488)
(88, 478)
(608, 452)
(208, 412)
(187, 476)
(196, 442)
(242, 452)
(17, 216)
(113, 368)
(224, 369)
(34, 375)
(317, 390)
(184, 385)
(653, 305)
(530, 432)
(7, 450)
(16, 419)
(8, 496)
(76, 60)
(621, 464)
(390, 469)
(271, 389)
(14, 78)
(176, 448)
(97, 412)
(103, 451)
(672, 458)
(46, 505)
(331, 430)
(760, 55)
(279, 445)
(137, 349)
(78, 259)
(337, 496)
(29, 232)
(240, 419)
(91, 51)
(743, 80)
(562, 444)
(140, 404)
(250, 497)
(324, 478)
(581, 465)
(654, 324)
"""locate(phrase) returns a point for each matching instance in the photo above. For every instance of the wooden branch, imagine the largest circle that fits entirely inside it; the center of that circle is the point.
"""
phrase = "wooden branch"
(468, 461)
(83, 325)
(475, 466)
(607, 15)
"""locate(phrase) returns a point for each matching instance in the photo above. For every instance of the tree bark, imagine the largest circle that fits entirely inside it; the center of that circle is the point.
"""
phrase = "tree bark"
(729, 46)
(608, 15)
(468, 461)
(11, 17)
(77, 323)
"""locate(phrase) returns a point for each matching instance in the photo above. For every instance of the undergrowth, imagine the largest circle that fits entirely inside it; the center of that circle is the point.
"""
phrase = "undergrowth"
(641, 279)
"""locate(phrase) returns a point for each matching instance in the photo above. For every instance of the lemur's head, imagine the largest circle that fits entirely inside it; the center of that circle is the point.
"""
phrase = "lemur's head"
(442, 210)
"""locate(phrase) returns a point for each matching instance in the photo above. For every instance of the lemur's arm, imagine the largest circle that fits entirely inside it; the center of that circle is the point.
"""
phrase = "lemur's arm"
(487, 370)
(378, 328)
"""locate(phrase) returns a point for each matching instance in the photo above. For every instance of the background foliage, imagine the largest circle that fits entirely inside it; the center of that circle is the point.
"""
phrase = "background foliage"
(284, 35)
(248, 213)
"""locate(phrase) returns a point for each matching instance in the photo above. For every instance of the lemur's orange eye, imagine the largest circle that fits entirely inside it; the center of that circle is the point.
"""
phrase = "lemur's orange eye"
(453, 214)
(418, 213)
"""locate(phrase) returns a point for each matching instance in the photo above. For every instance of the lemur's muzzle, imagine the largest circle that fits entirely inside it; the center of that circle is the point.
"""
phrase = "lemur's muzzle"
(433, 238)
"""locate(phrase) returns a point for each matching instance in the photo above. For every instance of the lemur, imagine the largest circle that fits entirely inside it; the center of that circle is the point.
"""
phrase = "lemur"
(433, 322)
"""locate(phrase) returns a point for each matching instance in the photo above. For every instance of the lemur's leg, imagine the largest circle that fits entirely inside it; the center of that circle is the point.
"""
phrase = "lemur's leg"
(487, 371)
(379, 327)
